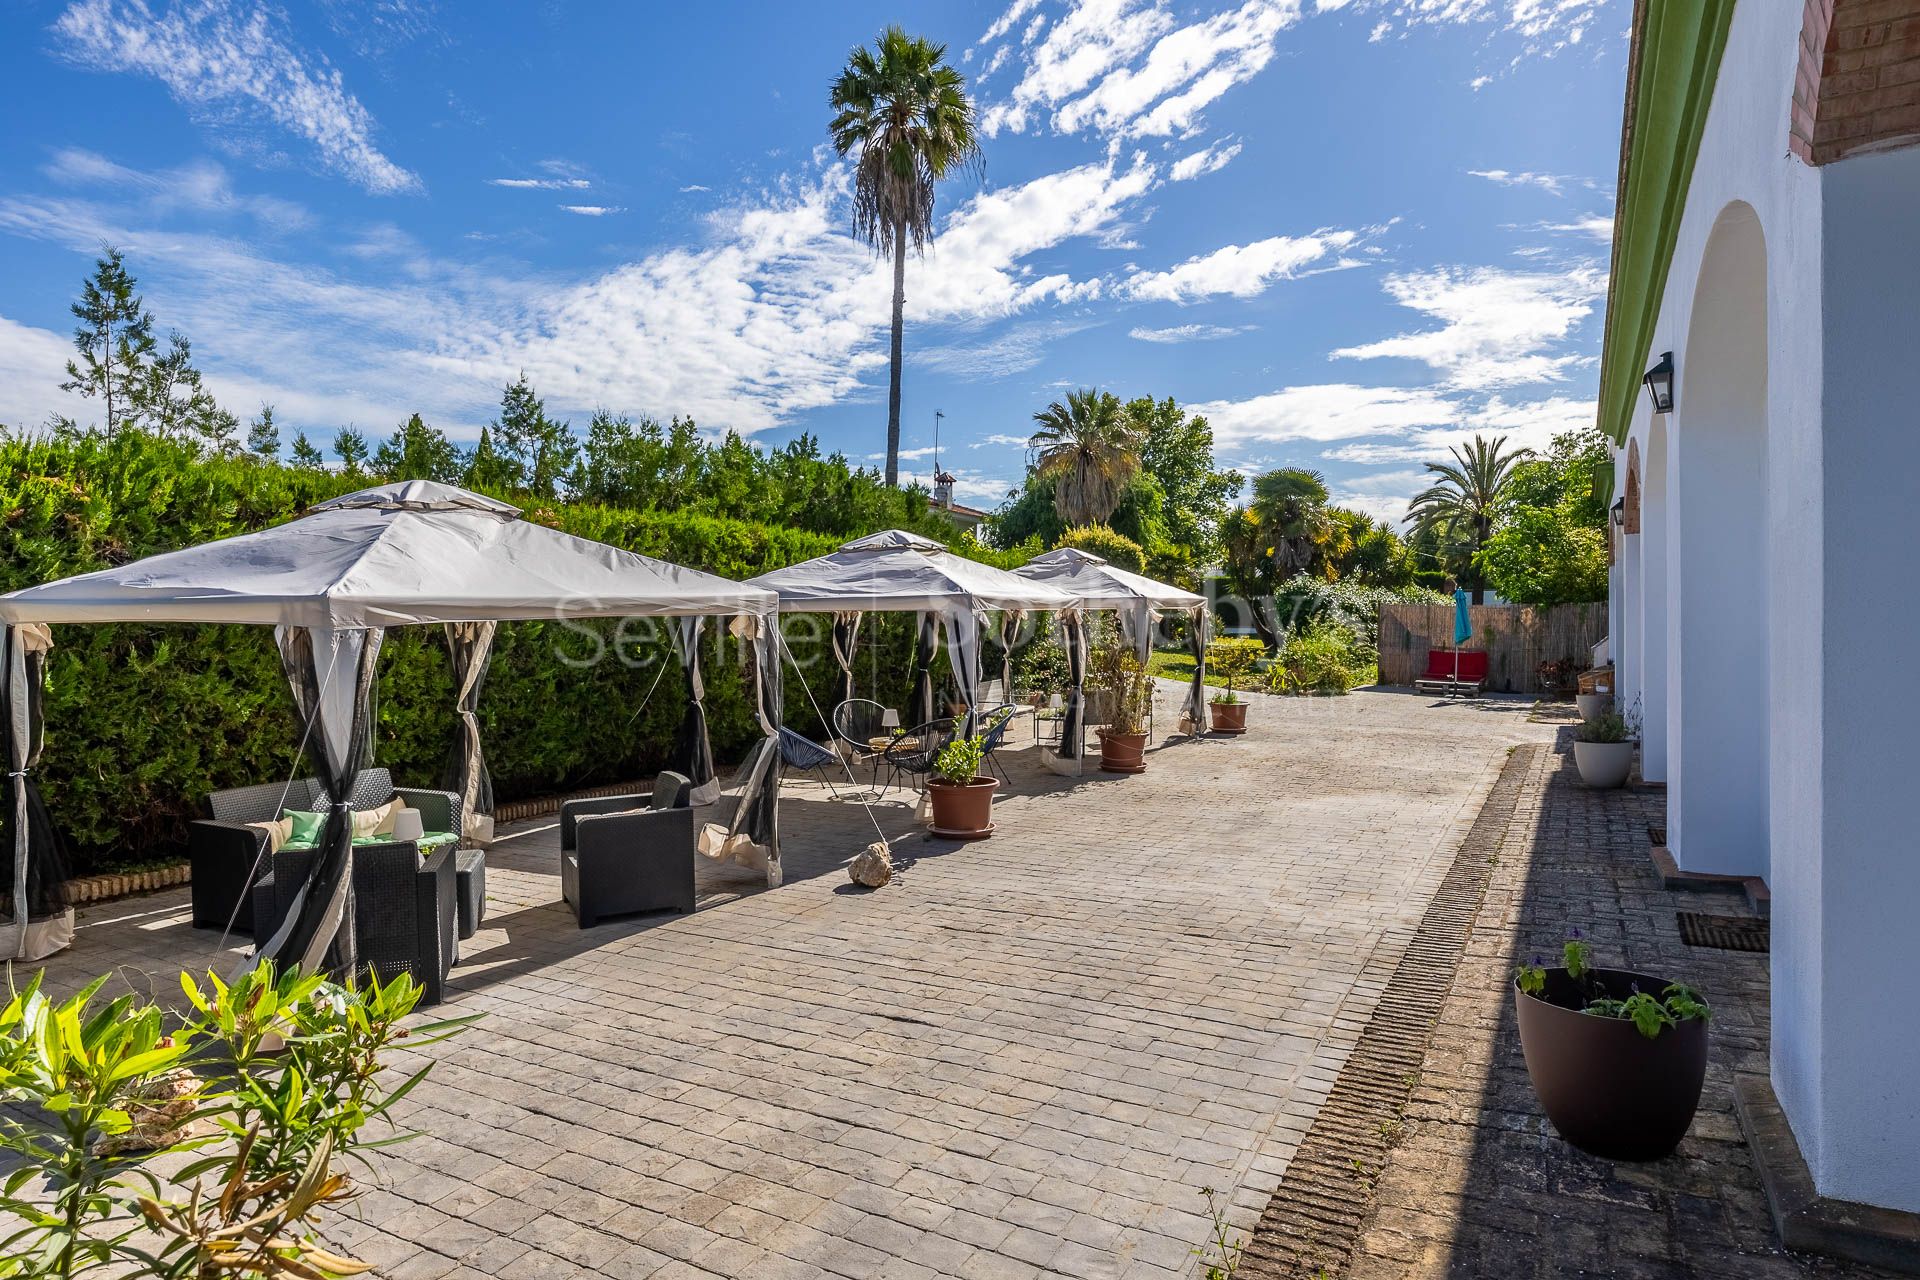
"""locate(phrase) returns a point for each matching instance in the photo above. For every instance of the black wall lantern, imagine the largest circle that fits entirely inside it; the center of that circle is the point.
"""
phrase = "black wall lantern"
(1660, 384)
(1619, 513)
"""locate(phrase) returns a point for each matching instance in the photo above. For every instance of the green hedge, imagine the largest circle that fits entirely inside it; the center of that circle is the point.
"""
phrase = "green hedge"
(144, 720)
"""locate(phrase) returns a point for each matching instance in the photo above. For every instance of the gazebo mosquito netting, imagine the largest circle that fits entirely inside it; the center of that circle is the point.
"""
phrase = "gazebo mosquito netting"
(895, 571)
(1138, 602)
(330, 583)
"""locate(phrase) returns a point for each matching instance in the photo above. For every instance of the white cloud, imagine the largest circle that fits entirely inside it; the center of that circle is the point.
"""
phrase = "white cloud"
(1200, 163)
(1000, 439)
(1004, 23)
(1243, 271)
(1595, 226)
(693, 186)
(1526, 425)
(201, 186)
(541, 184)
(33, 363)
(218, 60)
(912, 455)
(1497, 326)
(1549, 182)
(1545, 26)
(1335, 411)
(1019, 348)
(773, 310)
(1187, 332)
(1126, 68)
(593, 210)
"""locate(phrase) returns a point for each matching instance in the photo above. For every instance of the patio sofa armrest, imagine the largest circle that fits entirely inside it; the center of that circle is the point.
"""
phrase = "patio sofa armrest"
(227, 857)
(439, 810)
(571, 811)
(404, 912)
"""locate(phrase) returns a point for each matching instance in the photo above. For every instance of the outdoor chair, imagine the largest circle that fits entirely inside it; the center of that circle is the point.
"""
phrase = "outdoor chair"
(1454, 672)
(994, 723)
(797, 752)
(631, 853)
(404, 915)
(856, 723)
(228, 855)
(913, 752)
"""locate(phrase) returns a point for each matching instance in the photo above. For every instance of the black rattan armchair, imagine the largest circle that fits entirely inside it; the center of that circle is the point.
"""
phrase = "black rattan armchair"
(623, 854)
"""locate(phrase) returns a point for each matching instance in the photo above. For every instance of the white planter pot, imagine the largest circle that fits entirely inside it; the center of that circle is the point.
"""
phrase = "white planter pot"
(1603, 764)
(1591, 704)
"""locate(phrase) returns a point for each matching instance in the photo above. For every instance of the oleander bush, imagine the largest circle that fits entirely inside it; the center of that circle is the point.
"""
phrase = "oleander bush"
(1319, 657)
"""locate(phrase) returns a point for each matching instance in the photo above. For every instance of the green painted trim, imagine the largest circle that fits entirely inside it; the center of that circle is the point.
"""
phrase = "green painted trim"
(1680, 45)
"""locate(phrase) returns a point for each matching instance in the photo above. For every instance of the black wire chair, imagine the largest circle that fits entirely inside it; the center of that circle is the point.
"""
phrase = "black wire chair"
(856, 723)
(808, 756)
(913, 752)
(994, 723)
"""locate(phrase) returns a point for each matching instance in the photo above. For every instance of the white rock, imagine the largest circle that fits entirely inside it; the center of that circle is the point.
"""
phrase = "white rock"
(873, 867)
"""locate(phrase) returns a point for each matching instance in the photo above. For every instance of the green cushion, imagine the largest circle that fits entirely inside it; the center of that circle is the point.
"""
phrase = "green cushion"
(429, 841)
(306, 828)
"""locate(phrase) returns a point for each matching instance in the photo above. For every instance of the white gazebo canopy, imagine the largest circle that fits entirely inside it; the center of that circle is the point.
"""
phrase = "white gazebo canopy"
(331, 582)
(1135, 598)
(393, 555)
(895, 571)
(899, 572)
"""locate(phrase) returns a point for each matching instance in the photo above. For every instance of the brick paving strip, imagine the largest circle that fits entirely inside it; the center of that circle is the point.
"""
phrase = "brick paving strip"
(1314, 1219)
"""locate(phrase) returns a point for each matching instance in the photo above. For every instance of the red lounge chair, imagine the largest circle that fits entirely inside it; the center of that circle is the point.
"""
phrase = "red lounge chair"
(1453, 672)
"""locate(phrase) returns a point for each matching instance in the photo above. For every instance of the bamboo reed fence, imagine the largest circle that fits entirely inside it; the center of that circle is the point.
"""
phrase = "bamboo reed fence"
(1516, 639)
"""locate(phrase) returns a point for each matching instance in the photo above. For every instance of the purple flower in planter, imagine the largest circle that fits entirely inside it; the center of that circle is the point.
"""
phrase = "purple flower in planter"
(1576, 935)
(1536, 959)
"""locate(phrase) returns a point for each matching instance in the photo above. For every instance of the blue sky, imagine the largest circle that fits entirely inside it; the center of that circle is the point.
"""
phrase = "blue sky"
(1350, 231)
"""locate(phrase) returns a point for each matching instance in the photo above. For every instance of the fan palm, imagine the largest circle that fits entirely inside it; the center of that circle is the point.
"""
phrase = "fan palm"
(1461, 506)
(1090, 447)
(1291, 506)
(904, 113)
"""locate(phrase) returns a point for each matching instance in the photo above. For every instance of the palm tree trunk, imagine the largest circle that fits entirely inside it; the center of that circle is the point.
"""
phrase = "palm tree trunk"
(899, 319)
(1481, 527)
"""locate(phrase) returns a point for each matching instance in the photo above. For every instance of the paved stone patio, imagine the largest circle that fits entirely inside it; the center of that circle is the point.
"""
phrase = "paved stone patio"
(1024, 1057)
(1479, 1183)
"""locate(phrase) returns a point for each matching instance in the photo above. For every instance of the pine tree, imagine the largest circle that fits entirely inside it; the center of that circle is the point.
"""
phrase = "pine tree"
(263, 436)
(351, 448)
(486, 469)
(173, 400)
(417, 451)
(305, 455)
(115, 340)
(539, 451)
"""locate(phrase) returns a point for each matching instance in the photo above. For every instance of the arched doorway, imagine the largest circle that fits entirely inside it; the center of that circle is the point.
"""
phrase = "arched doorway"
(1718, 740)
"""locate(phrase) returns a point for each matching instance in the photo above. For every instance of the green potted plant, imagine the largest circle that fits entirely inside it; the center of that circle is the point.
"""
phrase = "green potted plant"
(1616, 1058)
(1117, 673)
(1603, 749)
(1233, 659)
(962, 796)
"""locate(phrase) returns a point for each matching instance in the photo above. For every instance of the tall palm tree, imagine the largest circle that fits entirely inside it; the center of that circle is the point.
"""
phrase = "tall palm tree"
(907, 115)
(1090, 447)
(1463, 503)
(1291, 507)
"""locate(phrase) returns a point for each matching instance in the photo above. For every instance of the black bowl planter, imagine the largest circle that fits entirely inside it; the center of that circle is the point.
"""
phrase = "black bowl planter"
(1608, 1089)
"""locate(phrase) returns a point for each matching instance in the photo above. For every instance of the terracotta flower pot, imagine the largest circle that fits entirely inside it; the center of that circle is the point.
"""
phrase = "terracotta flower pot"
(1608, 1089)
(963, 810)
(1228, 717)
(1603, 764)
(1123, 752)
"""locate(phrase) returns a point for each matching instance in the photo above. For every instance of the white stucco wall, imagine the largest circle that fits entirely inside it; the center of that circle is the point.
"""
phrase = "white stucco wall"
(1841, 484)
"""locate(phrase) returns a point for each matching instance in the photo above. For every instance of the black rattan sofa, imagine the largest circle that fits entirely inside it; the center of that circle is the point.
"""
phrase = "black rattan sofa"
(228, 856)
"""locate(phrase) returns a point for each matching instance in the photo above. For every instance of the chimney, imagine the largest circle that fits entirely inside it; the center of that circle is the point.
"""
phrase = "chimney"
(943, 490)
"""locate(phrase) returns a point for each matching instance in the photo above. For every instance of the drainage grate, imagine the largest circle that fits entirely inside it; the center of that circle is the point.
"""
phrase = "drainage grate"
(1727, 933)
(1320, 1207)
(1657, 835)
